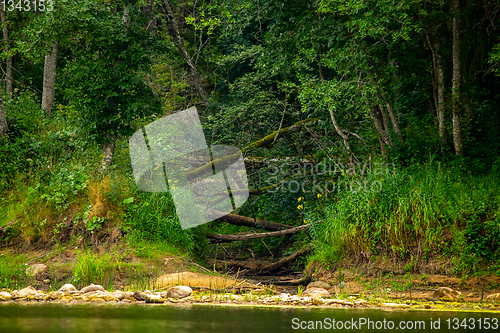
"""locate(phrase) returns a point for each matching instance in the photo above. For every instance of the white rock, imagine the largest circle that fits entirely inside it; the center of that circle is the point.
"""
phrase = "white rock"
(28, 291)
(5, 296)
(68, 287)
(92, 287)
(316, 292)
(179, 292)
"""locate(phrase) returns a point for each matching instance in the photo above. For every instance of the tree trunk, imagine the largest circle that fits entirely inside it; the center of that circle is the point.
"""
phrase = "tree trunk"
(49, 80)
(3, 121)
(244, 221)
(343, 136)
(440, 95)
(456, 122)
(394, 120)
(385, 123)
(184, 53)
(108, 153)
(8, 69)
(223, 238)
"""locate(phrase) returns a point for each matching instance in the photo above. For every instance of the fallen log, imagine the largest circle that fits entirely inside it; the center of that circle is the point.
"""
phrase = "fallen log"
(222, 238)
(266, 141)
(295, 282)
(259, 267)
(244, 221)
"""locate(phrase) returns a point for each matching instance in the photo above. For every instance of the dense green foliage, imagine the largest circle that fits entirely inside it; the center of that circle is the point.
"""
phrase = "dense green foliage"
(369, 73)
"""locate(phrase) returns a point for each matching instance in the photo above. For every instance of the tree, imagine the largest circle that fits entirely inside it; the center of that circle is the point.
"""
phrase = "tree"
(174, 30)
(8, 67)
(457, 77)
(102, 78)
(49, 80)
(3, 121)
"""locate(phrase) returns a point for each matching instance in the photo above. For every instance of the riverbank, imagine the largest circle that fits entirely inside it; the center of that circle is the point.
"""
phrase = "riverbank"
(97, 295)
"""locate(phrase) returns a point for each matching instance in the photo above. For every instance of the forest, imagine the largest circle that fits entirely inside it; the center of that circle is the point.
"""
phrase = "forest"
(370, 131)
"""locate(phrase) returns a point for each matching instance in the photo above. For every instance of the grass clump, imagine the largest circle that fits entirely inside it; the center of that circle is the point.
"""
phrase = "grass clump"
(12, 271)
(417, 214)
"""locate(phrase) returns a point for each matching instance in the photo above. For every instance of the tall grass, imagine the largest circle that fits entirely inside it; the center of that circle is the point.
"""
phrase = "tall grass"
(153, 218)
(417, 212)
(12, 271)
(101, 269)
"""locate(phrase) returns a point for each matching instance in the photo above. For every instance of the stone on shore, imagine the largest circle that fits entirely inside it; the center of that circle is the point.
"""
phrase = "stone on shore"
(92, 287)
(445, 293)
(28, 291)
(319, 284)
(33, 270)
(5, 296)
(68, 287)
(179, 292)
(316, 292)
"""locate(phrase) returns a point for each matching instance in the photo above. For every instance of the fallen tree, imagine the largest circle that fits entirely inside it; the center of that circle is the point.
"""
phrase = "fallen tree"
(266, 141)
(244, 221)
(221, 238)
(259, 267)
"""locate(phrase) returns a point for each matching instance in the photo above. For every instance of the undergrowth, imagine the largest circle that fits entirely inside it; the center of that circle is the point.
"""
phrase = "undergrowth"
(419, 213)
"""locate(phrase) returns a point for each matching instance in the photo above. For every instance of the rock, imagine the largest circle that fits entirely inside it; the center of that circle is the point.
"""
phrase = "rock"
(55, 296)
(319, 284)
(316, 292)
(68, 287)
(40, 296)
(5, 296)
(395, 305)
(154, 299)
(33, 270)
(119, 295)
(28, 291)
(179, 292)
(140, 296)
(92, 287)
(445, 293)
(493, 297)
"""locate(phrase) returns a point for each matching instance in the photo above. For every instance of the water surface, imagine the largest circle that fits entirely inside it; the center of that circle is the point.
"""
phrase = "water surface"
(141, 318)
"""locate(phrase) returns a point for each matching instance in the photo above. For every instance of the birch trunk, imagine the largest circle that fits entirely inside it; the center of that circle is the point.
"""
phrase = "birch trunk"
(8, 67)
(457, 127)
(49, 80)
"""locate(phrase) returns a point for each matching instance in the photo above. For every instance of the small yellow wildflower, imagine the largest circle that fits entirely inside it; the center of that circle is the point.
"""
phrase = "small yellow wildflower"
(300, 207)
(306, 221)
(319, 195)
(300, 199)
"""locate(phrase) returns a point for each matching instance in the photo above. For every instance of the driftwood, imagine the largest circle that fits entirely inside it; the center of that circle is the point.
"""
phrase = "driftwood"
(244, 221)
(260, 267)
(221, 238)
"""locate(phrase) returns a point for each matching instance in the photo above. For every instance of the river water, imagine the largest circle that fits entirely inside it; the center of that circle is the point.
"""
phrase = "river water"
(142, 318)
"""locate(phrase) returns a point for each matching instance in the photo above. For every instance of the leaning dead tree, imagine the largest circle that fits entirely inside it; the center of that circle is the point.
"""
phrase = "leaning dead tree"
(244, 221)
(222, 238)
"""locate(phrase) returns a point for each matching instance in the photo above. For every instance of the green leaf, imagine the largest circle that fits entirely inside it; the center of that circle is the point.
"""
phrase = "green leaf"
(128, 200)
